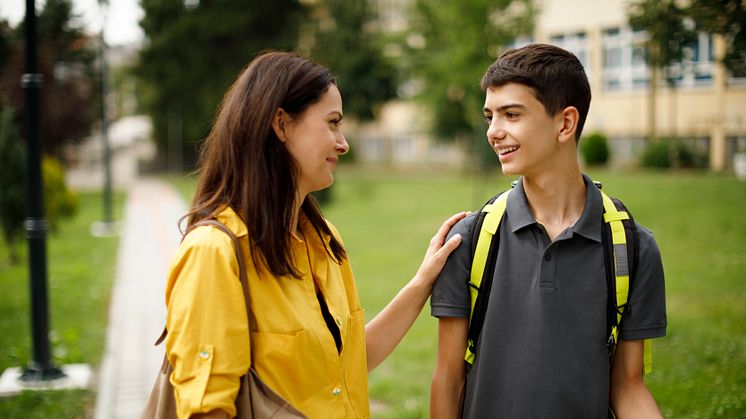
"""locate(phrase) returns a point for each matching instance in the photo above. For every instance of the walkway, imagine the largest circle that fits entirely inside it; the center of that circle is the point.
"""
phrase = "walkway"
(137, 310)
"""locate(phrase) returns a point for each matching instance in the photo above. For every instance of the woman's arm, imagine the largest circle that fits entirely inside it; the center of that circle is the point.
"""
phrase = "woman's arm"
(387, 329)
(629, 396)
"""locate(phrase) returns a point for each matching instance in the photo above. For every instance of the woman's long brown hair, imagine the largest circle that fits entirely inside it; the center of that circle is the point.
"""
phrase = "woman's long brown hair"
(245, 166)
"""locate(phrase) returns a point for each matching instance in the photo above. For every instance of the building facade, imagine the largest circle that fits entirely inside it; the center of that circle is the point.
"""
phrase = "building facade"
(706, 109)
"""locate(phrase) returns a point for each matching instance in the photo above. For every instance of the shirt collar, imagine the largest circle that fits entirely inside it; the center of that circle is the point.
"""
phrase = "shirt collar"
(228, 216)
(588, 225)
(517, 208)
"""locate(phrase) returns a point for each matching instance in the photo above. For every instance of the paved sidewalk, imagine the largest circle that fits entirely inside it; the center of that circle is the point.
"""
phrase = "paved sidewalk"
(137, 311)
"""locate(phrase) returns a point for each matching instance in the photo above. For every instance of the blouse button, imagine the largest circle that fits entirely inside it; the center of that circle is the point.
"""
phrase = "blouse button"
(336, 391)
(204, 355)
(339, 321)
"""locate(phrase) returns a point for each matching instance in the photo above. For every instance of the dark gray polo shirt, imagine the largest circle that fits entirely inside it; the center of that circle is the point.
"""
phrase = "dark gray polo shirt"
(542, 351)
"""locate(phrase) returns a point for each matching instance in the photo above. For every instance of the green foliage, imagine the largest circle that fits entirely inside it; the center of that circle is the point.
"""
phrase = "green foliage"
(595, 149)
(70, 97)
(727, 18)
(12, 186)
(667, 24)
(347, 40)
(81, 272)
(194, 53)
(664, 22)
(668, 153)
(449, 47)
(59, 201)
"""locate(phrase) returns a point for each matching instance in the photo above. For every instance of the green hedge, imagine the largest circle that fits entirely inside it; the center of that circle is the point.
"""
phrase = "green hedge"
(595, 149)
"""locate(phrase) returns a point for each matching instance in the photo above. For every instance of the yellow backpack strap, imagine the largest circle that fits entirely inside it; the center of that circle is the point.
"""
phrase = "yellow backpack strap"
(614, 218)
(493, 215)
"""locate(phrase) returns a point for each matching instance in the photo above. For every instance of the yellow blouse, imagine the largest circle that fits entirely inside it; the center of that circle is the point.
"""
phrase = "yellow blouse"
(294, 351)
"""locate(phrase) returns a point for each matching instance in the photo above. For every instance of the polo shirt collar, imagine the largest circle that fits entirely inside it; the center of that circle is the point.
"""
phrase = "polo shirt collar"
(588, 225)
(517, 208)
(590, 222)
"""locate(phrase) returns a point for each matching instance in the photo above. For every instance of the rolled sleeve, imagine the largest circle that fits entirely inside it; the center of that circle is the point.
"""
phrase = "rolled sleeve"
(208, 339)
(450, 296)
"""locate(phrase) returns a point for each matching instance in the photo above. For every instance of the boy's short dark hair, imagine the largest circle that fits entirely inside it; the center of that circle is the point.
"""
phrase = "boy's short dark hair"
(554, 75)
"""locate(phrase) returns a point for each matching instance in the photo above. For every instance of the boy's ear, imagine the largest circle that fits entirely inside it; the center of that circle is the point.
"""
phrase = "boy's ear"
(569, 124)
(280, 123)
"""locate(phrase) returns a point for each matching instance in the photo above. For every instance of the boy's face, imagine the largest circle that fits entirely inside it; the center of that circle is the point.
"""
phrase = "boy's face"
(523, 136)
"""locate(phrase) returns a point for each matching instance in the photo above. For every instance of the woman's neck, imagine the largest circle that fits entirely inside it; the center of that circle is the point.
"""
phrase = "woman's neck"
(293, 228)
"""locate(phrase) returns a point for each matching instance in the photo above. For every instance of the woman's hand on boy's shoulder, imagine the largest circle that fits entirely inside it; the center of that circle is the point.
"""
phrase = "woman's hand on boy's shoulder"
(439, 249)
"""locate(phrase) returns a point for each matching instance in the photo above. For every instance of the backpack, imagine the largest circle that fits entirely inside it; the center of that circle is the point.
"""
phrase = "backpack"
(620, 256)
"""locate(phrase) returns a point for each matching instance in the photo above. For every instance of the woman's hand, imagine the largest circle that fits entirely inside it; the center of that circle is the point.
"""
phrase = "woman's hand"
(387, 329)
(438, 251)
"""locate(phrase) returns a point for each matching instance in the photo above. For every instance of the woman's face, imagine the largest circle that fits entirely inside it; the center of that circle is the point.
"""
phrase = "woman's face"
(314, 139)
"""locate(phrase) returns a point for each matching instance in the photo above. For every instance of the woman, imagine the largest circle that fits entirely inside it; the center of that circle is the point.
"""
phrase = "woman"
(275, 140)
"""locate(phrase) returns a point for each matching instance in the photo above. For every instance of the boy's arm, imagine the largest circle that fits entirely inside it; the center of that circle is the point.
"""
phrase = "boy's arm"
(629, 396)
(447, 389)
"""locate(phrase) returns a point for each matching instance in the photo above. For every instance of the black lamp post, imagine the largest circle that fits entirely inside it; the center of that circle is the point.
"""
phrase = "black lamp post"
(41, 367)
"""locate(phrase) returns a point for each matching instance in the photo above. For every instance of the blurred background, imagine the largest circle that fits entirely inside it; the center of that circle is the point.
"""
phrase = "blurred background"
(131, 87)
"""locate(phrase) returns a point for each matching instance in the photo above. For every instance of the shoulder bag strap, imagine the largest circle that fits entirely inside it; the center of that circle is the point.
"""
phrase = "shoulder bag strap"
(241, 268)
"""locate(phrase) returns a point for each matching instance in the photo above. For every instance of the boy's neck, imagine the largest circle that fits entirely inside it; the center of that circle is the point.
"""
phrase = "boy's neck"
(556, 200)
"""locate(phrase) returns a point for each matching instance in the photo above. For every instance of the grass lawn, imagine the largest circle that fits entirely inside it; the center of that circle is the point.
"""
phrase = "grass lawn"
(80, 276)
(699, 371)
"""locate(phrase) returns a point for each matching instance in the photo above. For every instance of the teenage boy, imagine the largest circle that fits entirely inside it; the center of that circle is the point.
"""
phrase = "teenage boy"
(542, 350)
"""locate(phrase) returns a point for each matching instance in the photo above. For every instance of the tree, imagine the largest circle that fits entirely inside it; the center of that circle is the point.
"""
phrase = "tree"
(450, 45)
(726, 18)
(726, 21)
(345, 37)
(66, 60)
(667, 38)
(192, 54)
(59, 201)
(12, 177)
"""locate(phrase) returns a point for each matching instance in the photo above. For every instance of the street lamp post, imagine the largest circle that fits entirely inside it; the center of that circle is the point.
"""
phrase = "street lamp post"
(41, 367)
(107, 227)
(105, 119)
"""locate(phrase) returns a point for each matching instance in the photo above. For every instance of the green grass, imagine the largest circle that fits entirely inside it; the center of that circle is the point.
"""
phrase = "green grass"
(386, 221)
(80, 276)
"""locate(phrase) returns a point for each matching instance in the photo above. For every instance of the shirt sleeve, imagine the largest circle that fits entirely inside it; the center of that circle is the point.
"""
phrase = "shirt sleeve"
(450, 296)
(645, 317)
(208, 338)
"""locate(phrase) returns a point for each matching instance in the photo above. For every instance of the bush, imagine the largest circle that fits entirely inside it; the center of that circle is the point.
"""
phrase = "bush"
(59, 201)
(658, 155)
(595, 149)
(12, 186)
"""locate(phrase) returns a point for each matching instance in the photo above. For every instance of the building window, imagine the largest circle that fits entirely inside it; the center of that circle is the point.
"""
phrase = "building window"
(624, 65)
(577, 43)
(697, 67)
